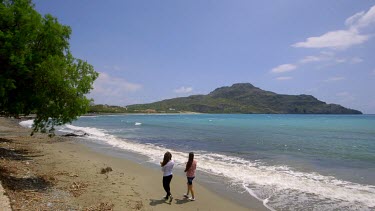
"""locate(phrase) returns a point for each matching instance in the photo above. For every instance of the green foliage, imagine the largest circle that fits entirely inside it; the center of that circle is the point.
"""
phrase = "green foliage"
(98, 109)
(38, 73)
(245, 98)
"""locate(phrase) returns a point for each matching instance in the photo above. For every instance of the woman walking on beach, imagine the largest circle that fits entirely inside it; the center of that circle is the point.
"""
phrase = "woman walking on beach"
(191, 165)
(167, 167)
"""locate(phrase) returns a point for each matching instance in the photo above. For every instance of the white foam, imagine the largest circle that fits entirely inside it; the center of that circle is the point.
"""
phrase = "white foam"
(265, 203)
(27, 123)
(137, 123)
(245, 172)
(266, 182)
(94, 132)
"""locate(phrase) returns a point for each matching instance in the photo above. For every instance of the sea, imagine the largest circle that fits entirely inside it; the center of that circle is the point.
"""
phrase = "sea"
(287, 162)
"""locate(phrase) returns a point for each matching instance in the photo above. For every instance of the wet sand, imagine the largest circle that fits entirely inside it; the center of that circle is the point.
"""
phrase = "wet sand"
(59, 173)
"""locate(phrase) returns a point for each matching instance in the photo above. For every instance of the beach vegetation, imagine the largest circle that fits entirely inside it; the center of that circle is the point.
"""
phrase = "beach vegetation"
(105, 109)
(38, 73)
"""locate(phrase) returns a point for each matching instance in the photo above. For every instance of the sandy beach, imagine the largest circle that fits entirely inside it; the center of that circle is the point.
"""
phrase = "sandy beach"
(42, 173)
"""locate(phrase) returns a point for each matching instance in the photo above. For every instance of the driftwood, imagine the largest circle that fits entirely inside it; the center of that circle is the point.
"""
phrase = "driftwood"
(76, 134)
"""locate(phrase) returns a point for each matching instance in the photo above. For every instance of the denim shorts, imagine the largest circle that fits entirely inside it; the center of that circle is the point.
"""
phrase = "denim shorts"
(190, 180)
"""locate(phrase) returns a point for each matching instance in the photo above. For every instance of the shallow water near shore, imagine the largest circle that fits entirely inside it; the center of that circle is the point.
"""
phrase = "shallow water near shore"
(317, 162)
(217, 184)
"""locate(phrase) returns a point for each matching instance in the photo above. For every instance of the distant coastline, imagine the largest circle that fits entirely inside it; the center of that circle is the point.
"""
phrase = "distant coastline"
(242, 98)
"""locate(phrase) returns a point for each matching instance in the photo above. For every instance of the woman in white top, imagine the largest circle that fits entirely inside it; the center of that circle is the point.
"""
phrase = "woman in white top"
(167, 167)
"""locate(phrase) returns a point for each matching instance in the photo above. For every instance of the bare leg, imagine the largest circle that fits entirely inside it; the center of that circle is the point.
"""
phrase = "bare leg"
(190, 188)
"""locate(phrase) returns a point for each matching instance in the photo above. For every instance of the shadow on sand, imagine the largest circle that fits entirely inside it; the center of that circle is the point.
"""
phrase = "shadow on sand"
(8, 172)
(155, 202)
(182, 201)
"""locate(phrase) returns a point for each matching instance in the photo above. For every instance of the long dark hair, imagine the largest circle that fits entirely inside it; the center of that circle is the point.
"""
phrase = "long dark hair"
(167, 158)
(190, 161)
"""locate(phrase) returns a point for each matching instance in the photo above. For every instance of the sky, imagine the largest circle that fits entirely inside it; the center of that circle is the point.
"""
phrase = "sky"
(146, 51)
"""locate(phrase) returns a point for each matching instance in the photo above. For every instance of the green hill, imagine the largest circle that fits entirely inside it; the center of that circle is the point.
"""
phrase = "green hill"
(97, 109)
(244, 98)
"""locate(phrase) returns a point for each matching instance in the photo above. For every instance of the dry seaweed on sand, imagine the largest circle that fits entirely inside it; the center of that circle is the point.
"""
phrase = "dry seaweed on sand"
(106, 171)
(101, 206)
(77, 188)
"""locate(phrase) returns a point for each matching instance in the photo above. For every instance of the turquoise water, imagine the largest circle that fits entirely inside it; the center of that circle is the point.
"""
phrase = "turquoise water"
(316, 162)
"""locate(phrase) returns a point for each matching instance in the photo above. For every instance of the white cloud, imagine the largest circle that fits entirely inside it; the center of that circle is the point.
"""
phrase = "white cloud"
(361, 19)
(323, 56)
(115, 85)
(353, 60)
(352, 20)
(340, 60)
(284, 68)
(309, 59)
(183, 90)
(341, 39)
(112, 90)
(335, 40)
(356, 60)
(333, 79)
(284, 78)
(329, 58)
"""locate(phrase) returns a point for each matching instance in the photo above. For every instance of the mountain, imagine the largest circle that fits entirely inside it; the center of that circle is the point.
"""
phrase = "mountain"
(244, 98)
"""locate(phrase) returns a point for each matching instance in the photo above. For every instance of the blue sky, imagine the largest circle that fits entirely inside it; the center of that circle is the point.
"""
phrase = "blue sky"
(147, 51)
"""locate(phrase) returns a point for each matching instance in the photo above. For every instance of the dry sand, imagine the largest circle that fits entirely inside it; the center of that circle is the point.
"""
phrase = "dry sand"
(41, 173)
(4, 200)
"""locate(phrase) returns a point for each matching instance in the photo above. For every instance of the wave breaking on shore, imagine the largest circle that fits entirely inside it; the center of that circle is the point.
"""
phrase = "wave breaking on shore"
(278, 187)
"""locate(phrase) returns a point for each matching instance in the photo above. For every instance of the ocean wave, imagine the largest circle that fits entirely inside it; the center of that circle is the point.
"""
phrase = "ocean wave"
(278, 187)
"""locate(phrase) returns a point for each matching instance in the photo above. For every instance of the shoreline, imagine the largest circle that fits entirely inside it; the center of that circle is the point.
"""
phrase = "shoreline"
(215, 184)
(65, 174)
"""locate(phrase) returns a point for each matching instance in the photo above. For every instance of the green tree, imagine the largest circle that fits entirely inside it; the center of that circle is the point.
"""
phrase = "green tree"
(38, 73)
